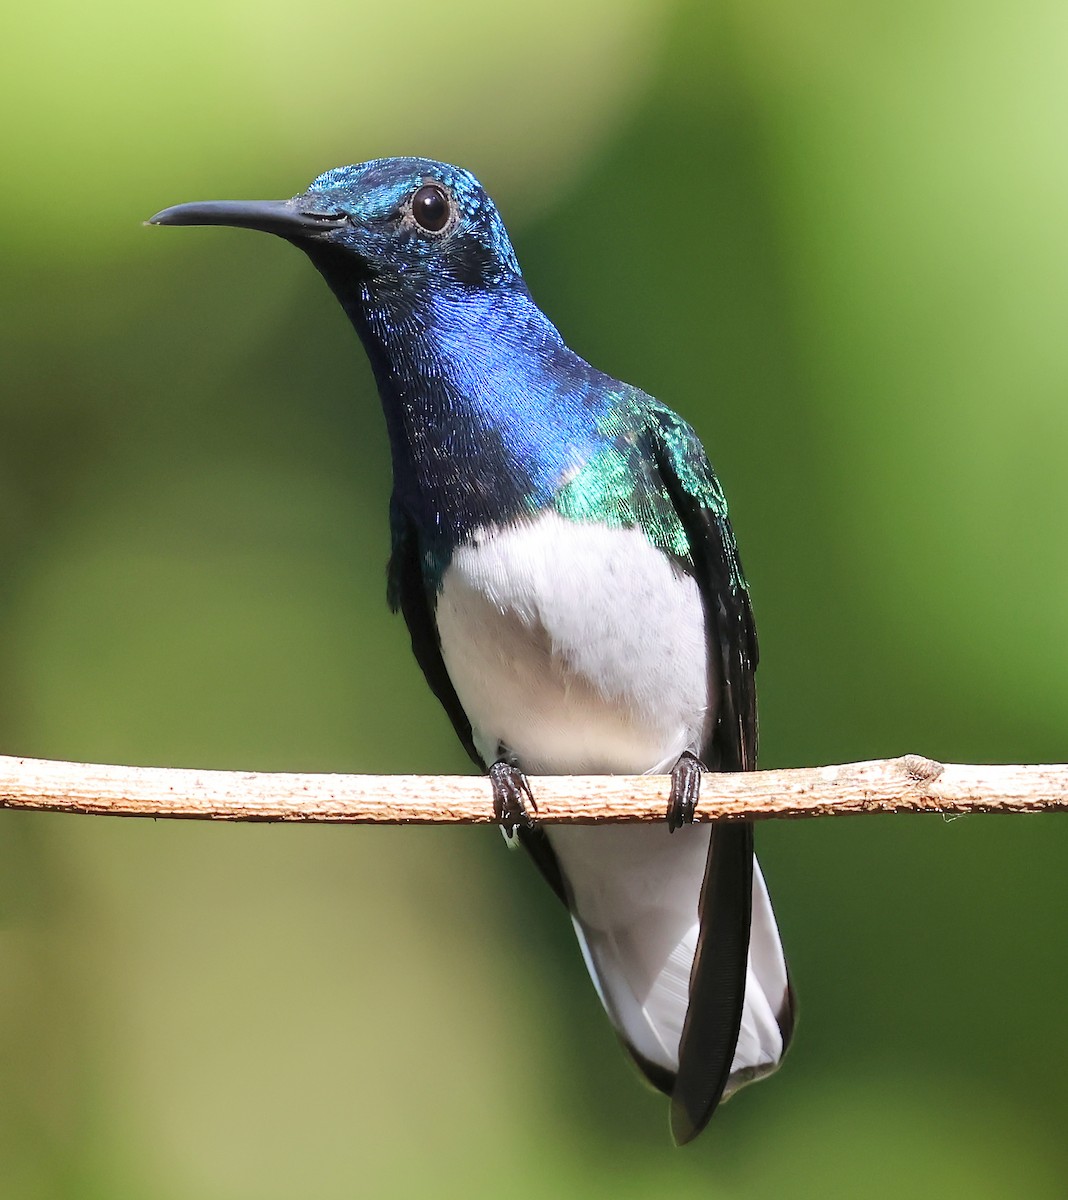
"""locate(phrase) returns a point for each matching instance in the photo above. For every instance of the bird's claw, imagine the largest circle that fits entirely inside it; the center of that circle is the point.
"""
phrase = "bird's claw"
(685, 791)
(513, 803)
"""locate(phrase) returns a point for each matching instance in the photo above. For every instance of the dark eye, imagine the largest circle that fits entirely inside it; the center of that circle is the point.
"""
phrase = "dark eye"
(431, 208)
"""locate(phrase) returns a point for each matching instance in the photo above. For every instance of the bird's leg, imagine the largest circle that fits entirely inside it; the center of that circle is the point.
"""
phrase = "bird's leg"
(513, 804)
(685, 790)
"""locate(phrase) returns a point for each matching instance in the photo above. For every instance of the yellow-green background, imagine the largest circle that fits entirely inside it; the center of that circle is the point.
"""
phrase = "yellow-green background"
(833, 235)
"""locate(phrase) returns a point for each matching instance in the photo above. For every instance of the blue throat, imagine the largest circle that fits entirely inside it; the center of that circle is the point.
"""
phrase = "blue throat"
(488, 412)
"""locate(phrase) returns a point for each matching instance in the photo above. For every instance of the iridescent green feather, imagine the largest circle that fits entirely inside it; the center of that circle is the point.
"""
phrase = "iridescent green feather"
(623, 483)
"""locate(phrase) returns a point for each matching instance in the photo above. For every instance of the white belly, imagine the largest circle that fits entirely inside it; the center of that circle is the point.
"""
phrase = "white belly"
(578, 648)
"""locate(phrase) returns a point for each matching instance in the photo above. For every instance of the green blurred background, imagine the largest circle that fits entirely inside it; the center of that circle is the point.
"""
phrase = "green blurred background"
(833, 236)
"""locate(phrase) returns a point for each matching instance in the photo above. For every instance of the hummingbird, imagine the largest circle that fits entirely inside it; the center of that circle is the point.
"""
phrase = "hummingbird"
(563, 558)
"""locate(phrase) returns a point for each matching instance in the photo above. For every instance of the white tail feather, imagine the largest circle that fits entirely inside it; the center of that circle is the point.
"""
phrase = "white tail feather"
(635, 896)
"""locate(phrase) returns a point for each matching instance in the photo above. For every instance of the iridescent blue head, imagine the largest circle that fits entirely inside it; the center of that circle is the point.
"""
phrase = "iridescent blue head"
(406, 221)
(487, 408)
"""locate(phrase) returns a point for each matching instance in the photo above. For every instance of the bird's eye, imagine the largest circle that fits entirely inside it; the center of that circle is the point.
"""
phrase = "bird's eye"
(431, 208)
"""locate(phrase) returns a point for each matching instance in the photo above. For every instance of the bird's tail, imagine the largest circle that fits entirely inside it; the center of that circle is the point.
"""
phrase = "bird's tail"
(740, 1007)
(639, 924)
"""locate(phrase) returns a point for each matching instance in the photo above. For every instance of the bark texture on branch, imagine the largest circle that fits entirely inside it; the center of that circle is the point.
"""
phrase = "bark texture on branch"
(907, 784)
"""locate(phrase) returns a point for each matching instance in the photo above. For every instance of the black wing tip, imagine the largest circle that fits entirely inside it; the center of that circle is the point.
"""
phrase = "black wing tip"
(659, 1078)
(717, 984)
(691, 1113)
(685, 1126)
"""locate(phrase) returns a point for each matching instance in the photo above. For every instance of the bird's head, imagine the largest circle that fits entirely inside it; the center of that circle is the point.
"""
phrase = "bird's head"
(406, 221)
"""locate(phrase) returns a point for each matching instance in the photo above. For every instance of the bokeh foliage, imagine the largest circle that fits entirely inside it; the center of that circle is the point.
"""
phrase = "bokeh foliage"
(833, 236)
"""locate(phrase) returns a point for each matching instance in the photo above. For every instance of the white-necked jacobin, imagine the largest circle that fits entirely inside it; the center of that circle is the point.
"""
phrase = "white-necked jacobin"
(564, 561)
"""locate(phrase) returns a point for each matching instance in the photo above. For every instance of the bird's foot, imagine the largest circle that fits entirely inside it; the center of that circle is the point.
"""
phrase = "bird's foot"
(685, 791)
(513, 803)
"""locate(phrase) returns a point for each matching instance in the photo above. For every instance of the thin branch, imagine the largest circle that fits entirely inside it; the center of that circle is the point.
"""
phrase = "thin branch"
(908, 784)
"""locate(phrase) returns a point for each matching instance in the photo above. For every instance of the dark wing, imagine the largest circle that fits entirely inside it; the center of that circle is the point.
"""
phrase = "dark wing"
(698, 500)
(407, 592)
(717, 981)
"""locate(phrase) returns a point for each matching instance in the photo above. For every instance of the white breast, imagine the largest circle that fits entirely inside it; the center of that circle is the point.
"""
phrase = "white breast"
(580, 648)
(577, 647)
